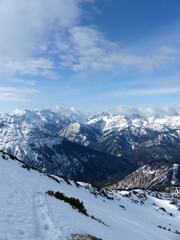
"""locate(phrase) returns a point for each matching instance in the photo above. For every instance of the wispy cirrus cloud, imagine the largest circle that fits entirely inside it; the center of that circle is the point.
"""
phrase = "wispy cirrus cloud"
(86, 48)
(23, 81)
(29, 66)
(11, 97)
(11, 94)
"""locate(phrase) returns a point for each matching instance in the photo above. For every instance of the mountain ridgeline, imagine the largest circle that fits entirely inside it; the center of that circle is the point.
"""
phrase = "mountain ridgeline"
(90, 148)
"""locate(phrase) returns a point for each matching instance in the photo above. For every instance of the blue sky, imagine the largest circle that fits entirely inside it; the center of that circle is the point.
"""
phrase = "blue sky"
(92, 55)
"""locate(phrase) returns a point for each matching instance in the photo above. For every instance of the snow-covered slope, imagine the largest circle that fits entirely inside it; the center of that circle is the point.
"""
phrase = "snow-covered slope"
(28, 213)
(81, 133)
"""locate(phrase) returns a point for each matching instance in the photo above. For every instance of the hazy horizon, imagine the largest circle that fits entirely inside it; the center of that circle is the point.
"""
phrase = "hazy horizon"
(120, 110)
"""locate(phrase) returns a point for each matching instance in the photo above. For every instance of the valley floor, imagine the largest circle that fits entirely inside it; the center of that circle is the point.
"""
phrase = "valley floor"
(28, 213)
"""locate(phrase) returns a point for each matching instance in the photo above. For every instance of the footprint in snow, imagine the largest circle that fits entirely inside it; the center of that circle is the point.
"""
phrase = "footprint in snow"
(45, 229)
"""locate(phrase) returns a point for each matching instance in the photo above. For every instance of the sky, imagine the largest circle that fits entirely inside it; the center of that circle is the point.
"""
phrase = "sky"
(92, 55)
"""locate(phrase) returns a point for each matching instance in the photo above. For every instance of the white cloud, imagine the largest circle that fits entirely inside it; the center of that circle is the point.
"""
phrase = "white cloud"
(165, 111)
(151, 111)
(86, 48)
(25, 25)
(39, 36)
(71, 110)
(127, 110)
(27, 30)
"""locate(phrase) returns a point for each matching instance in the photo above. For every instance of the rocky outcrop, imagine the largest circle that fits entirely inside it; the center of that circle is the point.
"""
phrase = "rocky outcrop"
(150, 175)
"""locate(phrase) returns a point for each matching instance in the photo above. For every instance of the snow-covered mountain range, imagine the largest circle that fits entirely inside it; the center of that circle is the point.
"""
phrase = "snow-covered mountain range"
(138, 138)
(33, 137)
(34, 205)
(89, 148)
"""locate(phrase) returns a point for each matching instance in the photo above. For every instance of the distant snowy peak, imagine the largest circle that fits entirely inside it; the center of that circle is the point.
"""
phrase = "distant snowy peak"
(109, 122)
(48, 114)
(53, 120)
(104, 122)
(81, 133)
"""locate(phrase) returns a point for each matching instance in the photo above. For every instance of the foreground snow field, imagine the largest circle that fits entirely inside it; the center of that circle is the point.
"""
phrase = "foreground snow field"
(28, 213)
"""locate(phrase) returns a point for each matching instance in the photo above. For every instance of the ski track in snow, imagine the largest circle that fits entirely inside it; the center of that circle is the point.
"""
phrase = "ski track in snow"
(45, 228)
